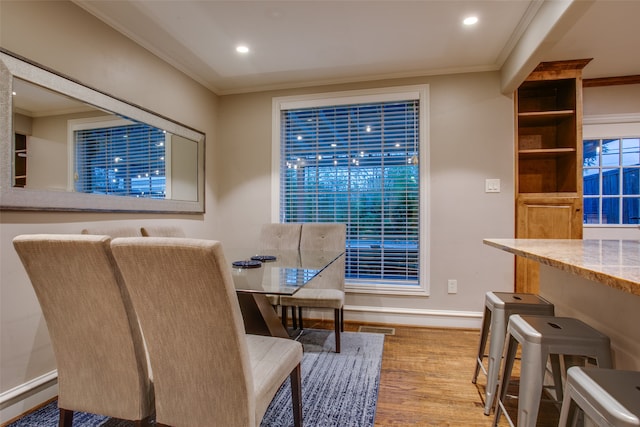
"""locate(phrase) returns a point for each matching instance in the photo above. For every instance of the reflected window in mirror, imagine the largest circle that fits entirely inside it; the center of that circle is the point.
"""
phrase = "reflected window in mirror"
(119, 157)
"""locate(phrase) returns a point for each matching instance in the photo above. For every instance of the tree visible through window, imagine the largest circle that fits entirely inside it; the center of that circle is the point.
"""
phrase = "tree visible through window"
(358, 164)
(611, 181)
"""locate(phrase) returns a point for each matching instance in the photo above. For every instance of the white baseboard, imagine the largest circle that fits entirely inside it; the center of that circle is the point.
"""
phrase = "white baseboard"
(405, 316)
(21, 399)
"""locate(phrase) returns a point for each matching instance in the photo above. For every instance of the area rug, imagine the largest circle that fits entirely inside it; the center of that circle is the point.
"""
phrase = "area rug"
(338, 390)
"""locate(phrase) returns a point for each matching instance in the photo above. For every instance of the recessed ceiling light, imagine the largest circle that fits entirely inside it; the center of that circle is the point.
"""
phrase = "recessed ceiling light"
(470, 20)
(242, 49)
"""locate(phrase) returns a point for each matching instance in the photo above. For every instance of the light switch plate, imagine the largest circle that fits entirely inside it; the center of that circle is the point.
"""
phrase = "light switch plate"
(492, 186)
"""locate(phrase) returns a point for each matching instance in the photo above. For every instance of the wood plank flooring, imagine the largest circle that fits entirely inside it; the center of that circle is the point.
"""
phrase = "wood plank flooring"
(426, 379)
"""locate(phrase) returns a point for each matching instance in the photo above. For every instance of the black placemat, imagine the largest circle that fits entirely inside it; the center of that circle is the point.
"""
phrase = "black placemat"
(263, 258)
(247, 264)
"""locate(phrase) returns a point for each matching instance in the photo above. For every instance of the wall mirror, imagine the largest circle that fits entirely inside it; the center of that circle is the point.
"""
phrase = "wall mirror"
(66, 146)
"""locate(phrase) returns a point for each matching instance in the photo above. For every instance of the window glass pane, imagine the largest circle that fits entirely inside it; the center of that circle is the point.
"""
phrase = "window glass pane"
(631, 210)
(611, 181)
(631, 181)
(631, 151)
(357, 164)
(591, 210)
(611, 210)
(611, 152)
(591, 181)
(591, 152)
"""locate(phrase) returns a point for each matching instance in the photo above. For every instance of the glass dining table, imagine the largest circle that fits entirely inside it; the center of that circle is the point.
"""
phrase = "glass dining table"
(258, 274)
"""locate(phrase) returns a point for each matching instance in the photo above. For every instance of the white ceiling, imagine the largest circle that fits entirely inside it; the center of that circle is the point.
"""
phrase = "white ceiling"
(305, 42)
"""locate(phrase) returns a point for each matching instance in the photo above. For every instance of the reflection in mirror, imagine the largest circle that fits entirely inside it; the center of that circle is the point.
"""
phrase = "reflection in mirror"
(82, 145)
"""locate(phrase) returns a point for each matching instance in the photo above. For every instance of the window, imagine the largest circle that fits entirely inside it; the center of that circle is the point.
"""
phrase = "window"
(611, 180)
(355, 158)
(119, 158)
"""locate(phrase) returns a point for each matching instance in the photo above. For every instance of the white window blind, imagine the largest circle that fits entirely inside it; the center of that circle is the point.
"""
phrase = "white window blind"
(358, 164)
(123, 160)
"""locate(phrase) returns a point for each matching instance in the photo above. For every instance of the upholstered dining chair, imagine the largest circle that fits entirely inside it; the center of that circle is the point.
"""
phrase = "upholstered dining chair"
(100, 356)
(326, 290)
(161, 231)
(279, 236)
(113, 232)
(206, 369)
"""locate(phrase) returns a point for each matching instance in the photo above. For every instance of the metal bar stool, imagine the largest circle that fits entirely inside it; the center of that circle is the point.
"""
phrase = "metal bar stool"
(608, 397)
(541, 338)
(498, 307)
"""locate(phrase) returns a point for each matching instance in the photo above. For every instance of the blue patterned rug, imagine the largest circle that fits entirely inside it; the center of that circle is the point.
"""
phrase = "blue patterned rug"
(338, 390)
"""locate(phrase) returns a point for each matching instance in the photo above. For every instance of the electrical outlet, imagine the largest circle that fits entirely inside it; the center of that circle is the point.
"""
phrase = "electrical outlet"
(491, 185)
(452, 286)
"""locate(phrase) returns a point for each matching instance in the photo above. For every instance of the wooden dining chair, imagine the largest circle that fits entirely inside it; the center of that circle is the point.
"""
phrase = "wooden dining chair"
(96, 339)
(326, 290)
(207, 370)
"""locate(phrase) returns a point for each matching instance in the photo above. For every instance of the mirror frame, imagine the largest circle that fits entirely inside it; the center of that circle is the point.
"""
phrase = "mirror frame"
(16, 198)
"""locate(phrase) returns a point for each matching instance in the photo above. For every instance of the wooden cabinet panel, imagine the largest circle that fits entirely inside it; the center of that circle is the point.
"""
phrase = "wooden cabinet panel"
(544, 218)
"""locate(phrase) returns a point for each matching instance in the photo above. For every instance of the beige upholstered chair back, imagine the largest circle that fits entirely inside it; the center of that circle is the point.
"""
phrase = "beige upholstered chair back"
(94, 332)
(184, 295)
(161, 231)
(280, 236)
(114, 231)
(325, 236)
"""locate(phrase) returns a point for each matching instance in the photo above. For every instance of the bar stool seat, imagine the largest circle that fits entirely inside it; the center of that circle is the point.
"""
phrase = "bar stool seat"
(608, 397)
(499, 306)
(541, 338)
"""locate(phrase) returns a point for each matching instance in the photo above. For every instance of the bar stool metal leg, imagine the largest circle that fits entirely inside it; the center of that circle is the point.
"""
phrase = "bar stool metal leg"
(499, 306)
(484, 334)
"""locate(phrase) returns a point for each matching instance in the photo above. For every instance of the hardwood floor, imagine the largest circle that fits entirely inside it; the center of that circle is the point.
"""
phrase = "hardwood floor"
(426, 379)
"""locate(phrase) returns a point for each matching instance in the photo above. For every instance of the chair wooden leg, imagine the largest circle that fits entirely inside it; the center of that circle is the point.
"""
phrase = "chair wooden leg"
(299, 317)
(66, 418)
(284, 310)
(337, 326)
(294, 318)
(296, 395)
(145, 422)
(341, 319)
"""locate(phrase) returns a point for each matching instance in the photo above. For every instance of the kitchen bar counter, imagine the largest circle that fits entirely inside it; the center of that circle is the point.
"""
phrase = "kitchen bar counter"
(597, 281)
(615, 263)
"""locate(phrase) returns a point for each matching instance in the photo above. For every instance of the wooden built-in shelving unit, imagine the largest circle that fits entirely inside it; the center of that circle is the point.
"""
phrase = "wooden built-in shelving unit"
(548, 159)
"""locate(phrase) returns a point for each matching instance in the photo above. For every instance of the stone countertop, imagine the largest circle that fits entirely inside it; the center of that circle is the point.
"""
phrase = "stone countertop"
(615, 263)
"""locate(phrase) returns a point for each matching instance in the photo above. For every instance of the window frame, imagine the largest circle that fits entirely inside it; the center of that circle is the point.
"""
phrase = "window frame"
(397, 93)
(609, 126)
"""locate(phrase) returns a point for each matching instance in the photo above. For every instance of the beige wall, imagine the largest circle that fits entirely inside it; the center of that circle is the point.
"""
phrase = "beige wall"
(64, 38)
(623, 99)
(470, 138)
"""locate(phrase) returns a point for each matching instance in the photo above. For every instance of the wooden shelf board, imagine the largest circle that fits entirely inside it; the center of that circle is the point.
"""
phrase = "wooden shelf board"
(551, 113)
(546, 152)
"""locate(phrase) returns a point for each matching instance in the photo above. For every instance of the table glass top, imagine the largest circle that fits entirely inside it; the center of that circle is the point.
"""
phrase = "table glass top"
(290, 270)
